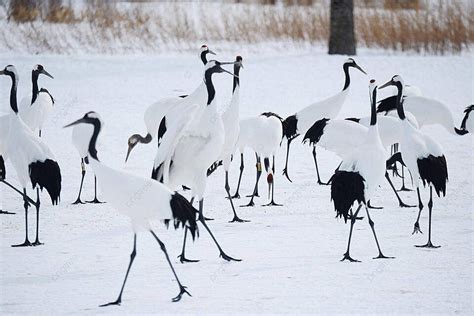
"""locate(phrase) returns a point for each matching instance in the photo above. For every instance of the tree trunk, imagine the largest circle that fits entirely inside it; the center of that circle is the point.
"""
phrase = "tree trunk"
(342, 38)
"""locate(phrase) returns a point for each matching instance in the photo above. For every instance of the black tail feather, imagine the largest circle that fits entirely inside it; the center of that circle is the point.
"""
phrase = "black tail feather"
(290, 129)
(314, 133)
(47, 175)
(467, 112)
(434, 171)
(346, 188)
(388, 104)
(184, 214)
(214, 167)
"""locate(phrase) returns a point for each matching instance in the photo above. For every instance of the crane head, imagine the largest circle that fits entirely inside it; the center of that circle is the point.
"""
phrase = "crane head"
(351, 63)
(39, 69)
(10, 70)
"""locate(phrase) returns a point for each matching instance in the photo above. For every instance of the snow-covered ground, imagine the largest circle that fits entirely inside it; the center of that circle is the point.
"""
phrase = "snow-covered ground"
(290, 254)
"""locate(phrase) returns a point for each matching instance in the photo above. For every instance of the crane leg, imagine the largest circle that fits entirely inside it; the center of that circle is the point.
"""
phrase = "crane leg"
(404, 188)
(258, 168)
(237, 195)
(416, 227)
(371, 223)
(227, 189)
(182, 289)
(182, 257)
(203, 222)
(39, 133)
(38, 203)
(132, 257)
(285, 170)
(95, 200)
(272, 202)
(400, 202)
(83, 172)
(25, 204)
(317, 169)
(347, 256)
(255, 190)
(430, 208)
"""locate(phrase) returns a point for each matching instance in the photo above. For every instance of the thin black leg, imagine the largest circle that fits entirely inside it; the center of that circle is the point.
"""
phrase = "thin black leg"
(430, 208)
(227, 189)
(255, 190)
(132, 257)
(38, 203)
(237, 195)
(39, 133)
(25, 204)
(95, 200)
(400, 202)
(203, 222)
(416, 227)
(182, 257)
(317, 169)
(83, 172)
(272, 202)
(285, 170)
(182, 289)
(258, 169)
(347, 255)
(371, 223)
(404, 188)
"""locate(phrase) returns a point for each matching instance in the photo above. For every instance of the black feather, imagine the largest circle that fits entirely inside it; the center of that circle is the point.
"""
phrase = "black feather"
(353, 119)
(314, 133)
(184, 213)
(467, 111)
(161, 129)
(47, 175)
(388, 104)
(3, 171)
(434, 171)
(290, 129)
(214, 167)
(346, 188)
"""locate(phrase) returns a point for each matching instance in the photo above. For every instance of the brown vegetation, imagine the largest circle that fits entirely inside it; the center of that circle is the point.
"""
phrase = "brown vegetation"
(445, 27)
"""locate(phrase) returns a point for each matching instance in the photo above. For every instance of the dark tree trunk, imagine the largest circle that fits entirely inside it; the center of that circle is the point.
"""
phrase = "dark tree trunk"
(342, 38)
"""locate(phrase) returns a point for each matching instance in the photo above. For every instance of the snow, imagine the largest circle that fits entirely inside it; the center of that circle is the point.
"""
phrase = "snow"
(291, 253)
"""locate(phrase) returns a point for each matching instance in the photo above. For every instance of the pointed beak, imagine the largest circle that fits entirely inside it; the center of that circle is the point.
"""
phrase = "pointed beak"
(128, 152)
(241, 65)
(75, 122)
(44, 72)
(211, 52)
(386, 85)
(224, 70)
(362, 70)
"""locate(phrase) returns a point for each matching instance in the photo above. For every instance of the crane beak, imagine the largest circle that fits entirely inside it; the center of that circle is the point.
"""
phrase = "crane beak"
(224, 70)
(128, 152)
(79, 121)
(362, 70)
(44, 72)
(211, 52)
(386, 84)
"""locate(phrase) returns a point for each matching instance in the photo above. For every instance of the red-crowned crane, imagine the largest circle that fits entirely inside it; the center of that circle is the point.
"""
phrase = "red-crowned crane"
(300, 122)
(359, 175)
(31, 158)
(423, 157)
(141, 199)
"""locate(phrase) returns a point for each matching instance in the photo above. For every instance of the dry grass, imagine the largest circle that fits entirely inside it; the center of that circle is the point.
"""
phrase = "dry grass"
(444, 27)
